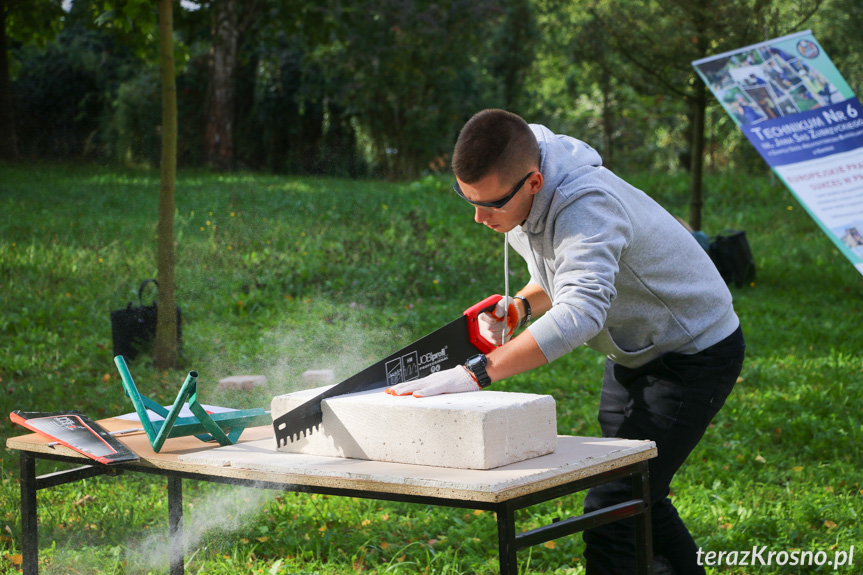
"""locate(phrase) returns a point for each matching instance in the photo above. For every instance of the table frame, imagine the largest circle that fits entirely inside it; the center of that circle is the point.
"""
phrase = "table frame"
(509, 542)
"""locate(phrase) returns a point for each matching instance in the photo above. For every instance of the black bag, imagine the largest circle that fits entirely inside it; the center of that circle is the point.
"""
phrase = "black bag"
(134, 329)
(730, 253)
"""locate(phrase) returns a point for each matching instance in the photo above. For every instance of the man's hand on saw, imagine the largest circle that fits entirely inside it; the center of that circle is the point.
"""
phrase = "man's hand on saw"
(491, 323)
(455, 380)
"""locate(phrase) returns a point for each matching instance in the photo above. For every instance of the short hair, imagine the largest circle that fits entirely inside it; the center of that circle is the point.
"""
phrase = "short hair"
(495, 141)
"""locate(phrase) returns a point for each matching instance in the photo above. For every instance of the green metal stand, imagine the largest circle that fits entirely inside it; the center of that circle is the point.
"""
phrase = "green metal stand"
(222, 427)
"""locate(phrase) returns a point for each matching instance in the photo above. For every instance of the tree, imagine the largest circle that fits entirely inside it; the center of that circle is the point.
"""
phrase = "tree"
(165, 348)
(837, 27)
(230, 20)
(406, 74)
(659, 40)
(579, 44)
(134, 21)
(8, 143)
(25, 21)
(514, 50)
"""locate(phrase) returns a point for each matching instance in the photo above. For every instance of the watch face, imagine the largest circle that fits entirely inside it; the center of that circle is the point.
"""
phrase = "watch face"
(476, 361)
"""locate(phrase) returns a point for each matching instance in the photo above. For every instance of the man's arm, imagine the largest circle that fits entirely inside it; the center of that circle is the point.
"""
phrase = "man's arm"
(538, 299)
(521, 353)
(516, 356)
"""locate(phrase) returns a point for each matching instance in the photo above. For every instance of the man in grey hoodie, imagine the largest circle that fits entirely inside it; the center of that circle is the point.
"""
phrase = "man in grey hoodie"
(610, 269)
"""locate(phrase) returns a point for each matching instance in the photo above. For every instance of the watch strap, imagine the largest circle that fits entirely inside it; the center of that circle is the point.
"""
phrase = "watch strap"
(527, 314)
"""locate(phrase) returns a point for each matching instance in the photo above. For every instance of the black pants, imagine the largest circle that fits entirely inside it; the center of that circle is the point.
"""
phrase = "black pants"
(671, 401)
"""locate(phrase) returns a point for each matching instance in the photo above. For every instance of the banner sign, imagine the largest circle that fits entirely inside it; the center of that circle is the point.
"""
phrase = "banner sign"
(803, 118)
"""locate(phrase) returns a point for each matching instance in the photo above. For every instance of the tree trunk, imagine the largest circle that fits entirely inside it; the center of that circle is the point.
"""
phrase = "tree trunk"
(699, 103)
(165, 348)
(601, 55)
(8, 141)
(514, 50)
(221, 98)
(607, 124)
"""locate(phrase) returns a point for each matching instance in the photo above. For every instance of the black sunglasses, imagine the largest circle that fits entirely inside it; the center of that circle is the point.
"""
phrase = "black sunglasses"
(497, 203)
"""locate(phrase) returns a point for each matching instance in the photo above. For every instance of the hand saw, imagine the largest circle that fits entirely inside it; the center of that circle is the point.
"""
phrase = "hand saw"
(444, 348)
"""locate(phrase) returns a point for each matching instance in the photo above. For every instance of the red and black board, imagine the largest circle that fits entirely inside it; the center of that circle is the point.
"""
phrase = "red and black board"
(76, 431)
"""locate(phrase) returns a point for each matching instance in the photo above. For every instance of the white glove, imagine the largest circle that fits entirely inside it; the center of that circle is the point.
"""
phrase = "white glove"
(455, 380)
(491, 323)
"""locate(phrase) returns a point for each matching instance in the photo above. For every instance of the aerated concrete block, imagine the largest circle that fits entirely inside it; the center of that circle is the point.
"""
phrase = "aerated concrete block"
(476, 430)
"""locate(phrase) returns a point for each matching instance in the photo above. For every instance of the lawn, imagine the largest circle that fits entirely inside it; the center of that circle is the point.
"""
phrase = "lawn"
(277, 275)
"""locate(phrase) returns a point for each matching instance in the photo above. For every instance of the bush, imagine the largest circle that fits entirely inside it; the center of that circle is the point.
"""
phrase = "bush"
(63, 94)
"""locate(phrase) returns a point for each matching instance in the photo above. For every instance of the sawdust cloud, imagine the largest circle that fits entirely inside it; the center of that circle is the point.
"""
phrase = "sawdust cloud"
(218, 517)
(227, 512)
(345, 346)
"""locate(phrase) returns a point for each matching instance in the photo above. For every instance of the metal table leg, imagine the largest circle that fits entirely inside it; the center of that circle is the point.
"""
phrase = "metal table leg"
(643, 529)
(175, 523)
(506, 539)
(29, 533)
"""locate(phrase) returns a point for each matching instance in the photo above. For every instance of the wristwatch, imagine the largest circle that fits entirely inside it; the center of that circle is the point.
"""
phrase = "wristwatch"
(527, 314)
(476, 365)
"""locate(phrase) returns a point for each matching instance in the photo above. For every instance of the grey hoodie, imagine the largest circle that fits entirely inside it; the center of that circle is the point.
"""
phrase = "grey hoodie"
(624, 277)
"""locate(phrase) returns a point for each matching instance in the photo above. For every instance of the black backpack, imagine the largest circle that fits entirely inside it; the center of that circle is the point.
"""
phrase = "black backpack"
(133, 329)
(730, 253)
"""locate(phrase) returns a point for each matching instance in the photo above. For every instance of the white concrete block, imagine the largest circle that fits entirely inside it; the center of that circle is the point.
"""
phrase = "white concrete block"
(478, 430)
(319, 376)
(241, 382)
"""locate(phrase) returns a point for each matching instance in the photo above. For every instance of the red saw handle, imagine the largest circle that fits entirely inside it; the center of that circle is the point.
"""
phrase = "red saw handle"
(479, 342)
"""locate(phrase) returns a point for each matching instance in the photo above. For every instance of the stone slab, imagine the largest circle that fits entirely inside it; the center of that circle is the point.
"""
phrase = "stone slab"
(478, 430)
(575, 458)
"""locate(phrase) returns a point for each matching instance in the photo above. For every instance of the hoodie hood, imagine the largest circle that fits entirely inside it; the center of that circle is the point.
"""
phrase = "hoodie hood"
(562, 159)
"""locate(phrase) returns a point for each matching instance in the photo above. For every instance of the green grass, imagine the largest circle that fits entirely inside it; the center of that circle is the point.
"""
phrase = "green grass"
(277, 275)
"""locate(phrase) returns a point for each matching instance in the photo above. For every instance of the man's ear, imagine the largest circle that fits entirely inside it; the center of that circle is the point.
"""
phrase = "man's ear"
(535, 182)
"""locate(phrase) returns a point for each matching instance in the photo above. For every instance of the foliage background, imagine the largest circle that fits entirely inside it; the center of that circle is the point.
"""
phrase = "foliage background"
(356, 88)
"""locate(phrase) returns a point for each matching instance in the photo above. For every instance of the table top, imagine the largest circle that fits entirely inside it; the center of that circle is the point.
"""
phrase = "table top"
(255, 458)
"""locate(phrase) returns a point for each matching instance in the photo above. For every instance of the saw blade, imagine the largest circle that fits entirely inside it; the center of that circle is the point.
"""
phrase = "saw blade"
(444, 348)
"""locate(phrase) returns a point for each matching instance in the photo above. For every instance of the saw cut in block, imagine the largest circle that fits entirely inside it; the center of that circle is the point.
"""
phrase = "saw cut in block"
(476, 430)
